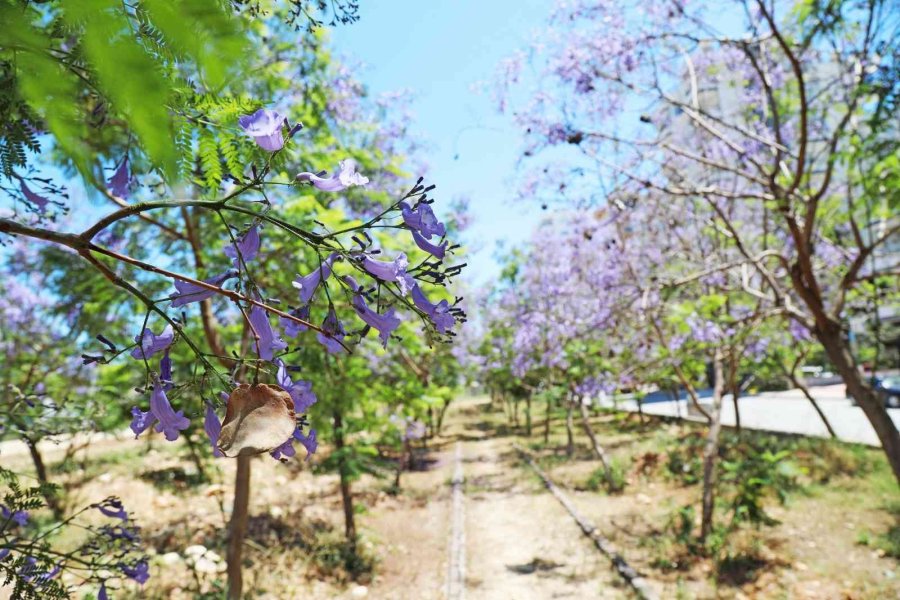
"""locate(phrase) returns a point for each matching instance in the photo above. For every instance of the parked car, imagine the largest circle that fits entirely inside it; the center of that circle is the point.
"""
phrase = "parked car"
(888, 388)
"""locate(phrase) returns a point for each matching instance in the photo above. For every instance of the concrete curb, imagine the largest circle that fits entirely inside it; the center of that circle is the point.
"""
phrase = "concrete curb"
(639, 584)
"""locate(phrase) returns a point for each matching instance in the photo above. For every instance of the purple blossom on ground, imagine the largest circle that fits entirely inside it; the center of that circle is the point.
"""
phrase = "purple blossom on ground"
(300, 391)
(213, 428)
(139, 571)
(422, 219)
(292, 328)
(120, 182)
(247, 245)
(267, 341)
(345, 176)
(149, 343)
(191, 292)
(438, 251)
(335, 333)
(307, 284)
(36, 199)
(102, 595)
(19, 517)
(394, 270)
(439, 313)
(264, 126)
(385, 322)
(112, 507)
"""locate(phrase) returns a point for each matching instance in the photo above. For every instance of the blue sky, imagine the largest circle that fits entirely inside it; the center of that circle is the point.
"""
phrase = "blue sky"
(439, 49)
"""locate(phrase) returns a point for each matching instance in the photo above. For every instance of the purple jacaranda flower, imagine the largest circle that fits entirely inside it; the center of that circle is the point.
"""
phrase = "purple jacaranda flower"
(309, 442)
(385, 322)
(139, 571)
(165, 371)
(4, 552)
(345, 176)
(36, 199)
(213, 428)
(334, 333)
(112, 507)
(169, 422)
(307, 284)
(267, 341)
(300, 391)
(102, 595)
(422, 220)
(149, 343)
(394, 270)
(247, 245)
(285, 450)
(439, 313)
(191, 292)
(437, 251)
(264, 126)
(799, 331)
(19, 517)
(140, 420)
(415, 430)
(292, 328)
(120, 182)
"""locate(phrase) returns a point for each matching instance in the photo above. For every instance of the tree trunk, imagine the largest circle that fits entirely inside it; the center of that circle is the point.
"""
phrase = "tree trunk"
(598, 450)
(238, 527)
(441, 414)
(570, 441)
(528, 415)
(735, 392)
(344, 471)
(711, 451)
(41, 470)
(839, 353)
(547, 416)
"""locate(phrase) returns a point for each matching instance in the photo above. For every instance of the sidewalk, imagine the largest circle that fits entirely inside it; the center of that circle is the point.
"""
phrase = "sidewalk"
(788, 411)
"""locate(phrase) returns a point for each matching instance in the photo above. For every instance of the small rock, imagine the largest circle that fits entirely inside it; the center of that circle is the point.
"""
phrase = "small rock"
(204, 565)
(800, 566)
(276, 511)
(105, 477)
(643, 499)
(195, 550)
(359, 591)
(170, 558)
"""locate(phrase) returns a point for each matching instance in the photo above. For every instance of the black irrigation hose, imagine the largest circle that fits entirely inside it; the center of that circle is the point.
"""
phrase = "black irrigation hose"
(639, 584)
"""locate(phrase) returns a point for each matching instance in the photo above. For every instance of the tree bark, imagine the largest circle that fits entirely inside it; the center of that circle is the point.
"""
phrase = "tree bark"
(711, 451)
(570, 440)
(237, 528)
(346, 491)
(41, 470)
(839, 353)
(598, 449)
(547, 416)
(528, 415)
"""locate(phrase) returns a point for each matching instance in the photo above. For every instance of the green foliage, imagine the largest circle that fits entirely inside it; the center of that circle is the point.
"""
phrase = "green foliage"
(94, 73)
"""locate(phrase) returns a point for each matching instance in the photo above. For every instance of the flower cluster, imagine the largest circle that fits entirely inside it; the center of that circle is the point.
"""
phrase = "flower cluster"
(268, 418)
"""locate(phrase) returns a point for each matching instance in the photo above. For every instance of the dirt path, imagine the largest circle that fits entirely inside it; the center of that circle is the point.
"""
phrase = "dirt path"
(520, 543)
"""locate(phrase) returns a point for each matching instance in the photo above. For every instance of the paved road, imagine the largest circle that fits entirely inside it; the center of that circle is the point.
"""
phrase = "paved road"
(787, 411)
